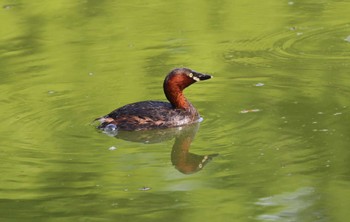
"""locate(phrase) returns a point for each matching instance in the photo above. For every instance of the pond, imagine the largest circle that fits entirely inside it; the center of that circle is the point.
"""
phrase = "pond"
(273, 144)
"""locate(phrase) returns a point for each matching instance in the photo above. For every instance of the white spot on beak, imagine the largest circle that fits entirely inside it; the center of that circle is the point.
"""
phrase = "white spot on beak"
(193, 77)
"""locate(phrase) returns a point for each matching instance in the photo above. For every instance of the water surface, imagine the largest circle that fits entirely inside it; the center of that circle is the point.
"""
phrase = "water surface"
(273, 145)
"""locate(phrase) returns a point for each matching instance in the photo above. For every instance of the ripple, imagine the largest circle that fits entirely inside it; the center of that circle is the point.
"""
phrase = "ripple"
(318, 43)
(296, 44)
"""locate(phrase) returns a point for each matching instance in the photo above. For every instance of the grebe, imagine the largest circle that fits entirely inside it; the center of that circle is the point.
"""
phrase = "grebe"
(147, 115)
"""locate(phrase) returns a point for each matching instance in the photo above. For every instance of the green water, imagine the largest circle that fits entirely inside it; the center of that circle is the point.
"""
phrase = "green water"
(276, 111)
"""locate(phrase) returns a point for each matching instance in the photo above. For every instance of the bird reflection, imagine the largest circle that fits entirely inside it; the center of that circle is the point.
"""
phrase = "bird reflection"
(181, 157)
